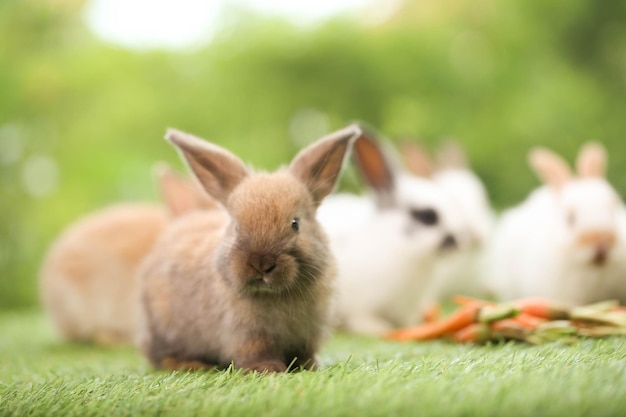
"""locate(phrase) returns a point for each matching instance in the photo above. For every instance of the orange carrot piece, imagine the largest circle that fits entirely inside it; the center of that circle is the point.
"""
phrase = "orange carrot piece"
(432, 313)
(542, 308)
(462, 300)
(504, 324)
(473, 333)
(528, 321)
(464, 316)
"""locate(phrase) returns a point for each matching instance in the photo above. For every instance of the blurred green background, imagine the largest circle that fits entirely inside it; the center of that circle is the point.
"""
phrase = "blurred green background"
(82, 121)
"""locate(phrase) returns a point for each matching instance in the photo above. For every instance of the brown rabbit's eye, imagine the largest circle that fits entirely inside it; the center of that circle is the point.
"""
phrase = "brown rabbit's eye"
(295, 224)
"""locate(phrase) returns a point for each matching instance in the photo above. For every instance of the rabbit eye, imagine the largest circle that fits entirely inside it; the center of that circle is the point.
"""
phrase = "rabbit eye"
(429, 217)
(295, 224)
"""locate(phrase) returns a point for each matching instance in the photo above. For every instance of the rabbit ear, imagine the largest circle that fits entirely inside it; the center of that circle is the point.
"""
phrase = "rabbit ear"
(375, 168)
(180, 194)
(451, 155)
(591, 160)
(218, 170)
(549, 167)
(318, 166)
(417, 159)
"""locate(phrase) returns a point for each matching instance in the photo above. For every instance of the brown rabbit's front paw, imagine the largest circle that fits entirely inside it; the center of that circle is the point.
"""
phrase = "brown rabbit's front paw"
(308, 364)
(265, 366)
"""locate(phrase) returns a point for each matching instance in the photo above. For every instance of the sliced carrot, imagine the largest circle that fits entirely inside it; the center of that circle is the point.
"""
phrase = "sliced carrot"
(602, 306)
(464, 316)
(462, 300)
(491, 313)
(432, 313)
(506, 323)
(509, 329)
(533, 320)
(528, 321)
(543, 308)
(473, 333)
(612, 318)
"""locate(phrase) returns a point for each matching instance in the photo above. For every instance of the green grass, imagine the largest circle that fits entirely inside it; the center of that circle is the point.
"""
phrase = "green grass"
(40, 376)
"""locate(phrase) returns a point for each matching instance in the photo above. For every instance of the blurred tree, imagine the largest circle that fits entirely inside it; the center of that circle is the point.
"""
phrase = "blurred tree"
(81, 121)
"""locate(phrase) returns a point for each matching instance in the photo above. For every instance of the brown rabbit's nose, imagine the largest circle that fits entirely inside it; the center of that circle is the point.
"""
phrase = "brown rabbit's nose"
(263, 263)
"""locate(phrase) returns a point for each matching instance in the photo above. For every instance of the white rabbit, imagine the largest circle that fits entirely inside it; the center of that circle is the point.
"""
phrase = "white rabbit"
(462, 271)
(388, 245)
(566, 240)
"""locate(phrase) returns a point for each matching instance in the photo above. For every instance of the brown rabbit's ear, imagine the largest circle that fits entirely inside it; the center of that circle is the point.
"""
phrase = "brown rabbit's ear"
(218, 170)
(319, 165)
(591, 162)
(417, 159)
(552, 169)
(373, 164)
(451, 155)
(180, 194)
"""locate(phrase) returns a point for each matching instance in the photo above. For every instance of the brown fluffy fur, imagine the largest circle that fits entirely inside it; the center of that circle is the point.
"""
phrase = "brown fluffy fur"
(241, 285)
(88, 281)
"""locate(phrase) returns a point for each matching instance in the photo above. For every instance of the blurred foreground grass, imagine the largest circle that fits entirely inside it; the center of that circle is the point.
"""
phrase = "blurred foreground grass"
(40, 376)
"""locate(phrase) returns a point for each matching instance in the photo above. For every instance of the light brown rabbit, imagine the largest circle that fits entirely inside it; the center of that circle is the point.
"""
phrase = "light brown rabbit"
(88, 280)
(250, 285)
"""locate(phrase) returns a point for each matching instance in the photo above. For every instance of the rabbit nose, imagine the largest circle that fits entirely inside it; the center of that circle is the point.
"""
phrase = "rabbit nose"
(474, 239)
(600, 256)
(602, 243)
(263, 263)
(449, 242)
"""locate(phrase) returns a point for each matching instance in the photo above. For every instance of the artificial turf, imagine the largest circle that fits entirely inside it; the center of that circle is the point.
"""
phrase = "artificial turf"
(41, 376)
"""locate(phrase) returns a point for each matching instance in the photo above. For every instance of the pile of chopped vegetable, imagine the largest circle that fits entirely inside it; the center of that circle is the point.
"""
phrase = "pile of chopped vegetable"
(532, 320)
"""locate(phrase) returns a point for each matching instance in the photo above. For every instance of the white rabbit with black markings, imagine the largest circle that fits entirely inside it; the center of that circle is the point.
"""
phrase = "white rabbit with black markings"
(566, 240)
(387, 245)
(461, 272)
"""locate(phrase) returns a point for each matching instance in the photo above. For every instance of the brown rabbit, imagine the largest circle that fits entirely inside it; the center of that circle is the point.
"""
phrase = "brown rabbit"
(88, 280)
(250, 285)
